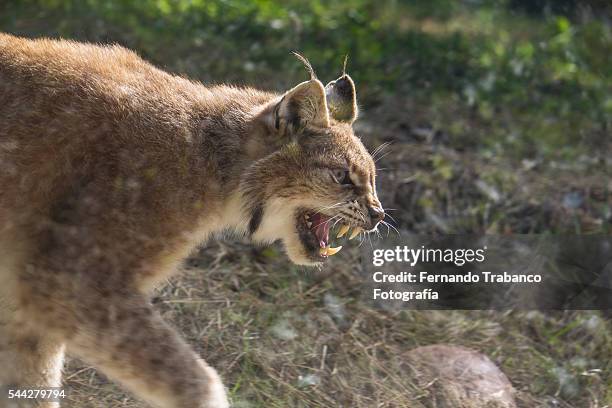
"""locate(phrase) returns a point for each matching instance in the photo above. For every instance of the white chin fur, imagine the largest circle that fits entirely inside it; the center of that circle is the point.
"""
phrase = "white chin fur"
(278, 222)
(296, 252)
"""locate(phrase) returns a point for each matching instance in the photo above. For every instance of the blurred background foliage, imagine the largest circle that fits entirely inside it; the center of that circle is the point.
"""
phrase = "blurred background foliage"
(534, 75)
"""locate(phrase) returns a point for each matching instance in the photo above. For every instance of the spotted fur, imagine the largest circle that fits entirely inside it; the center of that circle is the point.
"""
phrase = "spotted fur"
(111, 172)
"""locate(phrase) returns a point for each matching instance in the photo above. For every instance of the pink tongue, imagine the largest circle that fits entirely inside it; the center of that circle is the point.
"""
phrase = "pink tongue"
(320, 226)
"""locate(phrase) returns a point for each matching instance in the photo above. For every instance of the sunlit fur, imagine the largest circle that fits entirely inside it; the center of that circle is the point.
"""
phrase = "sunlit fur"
(297, 176)
(112, 171)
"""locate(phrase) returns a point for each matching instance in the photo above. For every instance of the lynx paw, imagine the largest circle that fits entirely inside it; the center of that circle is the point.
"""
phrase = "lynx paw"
(217, 398)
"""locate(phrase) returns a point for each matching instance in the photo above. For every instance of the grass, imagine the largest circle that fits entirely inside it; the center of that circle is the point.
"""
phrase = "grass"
(282, 337)
(499, 123)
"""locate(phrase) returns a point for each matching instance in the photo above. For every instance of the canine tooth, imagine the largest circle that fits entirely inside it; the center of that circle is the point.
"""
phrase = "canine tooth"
(333, 251)
(355, 232)
(323, 251)
(343, 230)
(309, 223)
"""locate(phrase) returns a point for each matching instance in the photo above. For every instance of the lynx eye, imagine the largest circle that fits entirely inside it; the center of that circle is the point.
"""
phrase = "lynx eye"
(341, 176)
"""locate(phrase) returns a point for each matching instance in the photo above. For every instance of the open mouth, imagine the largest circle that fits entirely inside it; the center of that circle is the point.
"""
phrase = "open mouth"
(314, 231)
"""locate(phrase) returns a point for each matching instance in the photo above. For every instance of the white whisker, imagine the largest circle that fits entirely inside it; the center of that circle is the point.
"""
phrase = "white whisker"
(337, 221)
(390, 225)
(329, 220)
(361, 239)
(377, 233)
(329, 207)
(370, 240)
(361, 214)
(386, 225)
(390, 216)
(382, 156)
(380, 149)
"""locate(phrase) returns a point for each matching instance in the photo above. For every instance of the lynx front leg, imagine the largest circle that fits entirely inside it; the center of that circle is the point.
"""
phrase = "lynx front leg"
(29, 358)
(130, 343)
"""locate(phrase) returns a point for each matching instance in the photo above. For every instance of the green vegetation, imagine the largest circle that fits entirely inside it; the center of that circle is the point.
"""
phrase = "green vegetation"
(538, 86)
(500, 115)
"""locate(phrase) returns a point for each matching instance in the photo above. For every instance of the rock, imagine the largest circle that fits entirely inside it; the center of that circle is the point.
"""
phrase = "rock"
(456, 377)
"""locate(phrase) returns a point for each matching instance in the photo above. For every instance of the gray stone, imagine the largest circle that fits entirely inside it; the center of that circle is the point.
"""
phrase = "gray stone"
(457, 377)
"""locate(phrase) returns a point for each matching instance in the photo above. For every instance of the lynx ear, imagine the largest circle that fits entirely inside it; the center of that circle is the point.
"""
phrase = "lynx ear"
(303, 105)
(342, 99)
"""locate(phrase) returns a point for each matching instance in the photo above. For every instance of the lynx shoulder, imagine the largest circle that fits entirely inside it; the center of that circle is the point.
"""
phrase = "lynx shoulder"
(113, 170)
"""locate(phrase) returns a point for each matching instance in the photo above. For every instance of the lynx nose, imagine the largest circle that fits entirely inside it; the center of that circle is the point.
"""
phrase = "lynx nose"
(376, 215)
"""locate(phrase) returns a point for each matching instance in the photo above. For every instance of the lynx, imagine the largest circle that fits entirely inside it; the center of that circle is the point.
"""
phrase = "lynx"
(112, 171)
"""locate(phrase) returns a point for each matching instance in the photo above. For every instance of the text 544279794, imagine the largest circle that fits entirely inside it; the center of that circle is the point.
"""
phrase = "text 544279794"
(46, 394)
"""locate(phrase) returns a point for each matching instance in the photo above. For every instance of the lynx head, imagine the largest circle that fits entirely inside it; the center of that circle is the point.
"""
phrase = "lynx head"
(319, 184)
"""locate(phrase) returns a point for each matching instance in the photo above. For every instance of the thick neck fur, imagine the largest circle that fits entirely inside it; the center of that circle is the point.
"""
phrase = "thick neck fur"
(234, 136)
(102, 140)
